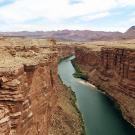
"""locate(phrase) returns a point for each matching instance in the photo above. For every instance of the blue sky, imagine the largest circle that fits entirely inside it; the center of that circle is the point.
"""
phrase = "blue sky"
(6, 2)
(72, 2)
(34, 15)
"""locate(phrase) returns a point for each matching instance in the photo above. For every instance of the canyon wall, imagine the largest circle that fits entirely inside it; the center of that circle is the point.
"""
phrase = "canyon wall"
(32, 99)
(112, 70)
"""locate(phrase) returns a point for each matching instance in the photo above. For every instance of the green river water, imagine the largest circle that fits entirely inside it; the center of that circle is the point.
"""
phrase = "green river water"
(99, 113)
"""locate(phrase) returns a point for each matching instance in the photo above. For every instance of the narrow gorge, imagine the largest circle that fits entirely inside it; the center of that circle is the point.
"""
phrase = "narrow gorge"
(36, 78)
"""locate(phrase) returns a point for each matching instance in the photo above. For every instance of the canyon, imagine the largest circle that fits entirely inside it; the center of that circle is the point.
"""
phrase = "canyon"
(33, 100)
(111, 67)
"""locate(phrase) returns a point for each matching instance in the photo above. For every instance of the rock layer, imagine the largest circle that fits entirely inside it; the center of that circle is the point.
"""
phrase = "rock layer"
(112, 70)
(32, 99)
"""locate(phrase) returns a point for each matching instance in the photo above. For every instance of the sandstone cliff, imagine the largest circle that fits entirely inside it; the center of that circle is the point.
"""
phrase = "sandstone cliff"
(32, 99)
(112, 69)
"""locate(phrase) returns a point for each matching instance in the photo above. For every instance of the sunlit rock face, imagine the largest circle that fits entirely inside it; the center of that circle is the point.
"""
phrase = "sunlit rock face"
(32, 99)
(112, 69)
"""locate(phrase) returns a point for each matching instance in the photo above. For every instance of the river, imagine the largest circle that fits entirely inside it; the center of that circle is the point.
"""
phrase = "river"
(99, 113)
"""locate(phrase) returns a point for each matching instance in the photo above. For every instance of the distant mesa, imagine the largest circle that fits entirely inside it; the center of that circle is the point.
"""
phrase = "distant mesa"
(130, 33)
(131, 28)
(75, 35)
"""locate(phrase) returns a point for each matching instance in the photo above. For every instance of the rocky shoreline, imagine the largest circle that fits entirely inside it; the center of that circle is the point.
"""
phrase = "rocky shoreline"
(73, 102)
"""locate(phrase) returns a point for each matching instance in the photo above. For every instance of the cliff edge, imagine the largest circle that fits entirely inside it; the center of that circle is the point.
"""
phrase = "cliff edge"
(32, 99)
(112, 69)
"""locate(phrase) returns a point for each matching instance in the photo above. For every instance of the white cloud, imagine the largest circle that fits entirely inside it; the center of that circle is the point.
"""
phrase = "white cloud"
(52, 9)
(132, 20)
(43, 27)
(95, 16)
(56, 11)
(113, 28)
(126, 2)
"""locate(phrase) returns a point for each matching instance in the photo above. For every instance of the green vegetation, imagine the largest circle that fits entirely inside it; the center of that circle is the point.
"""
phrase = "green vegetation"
(79, 73)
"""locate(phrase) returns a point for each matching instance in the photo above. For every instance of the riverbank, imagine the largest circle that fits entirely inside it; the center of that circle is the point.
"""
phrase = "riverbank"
(86, 81)
(100, 89)
(73, 106)
(110, 71)
(67, 118)
(78, 72)
(99, 114)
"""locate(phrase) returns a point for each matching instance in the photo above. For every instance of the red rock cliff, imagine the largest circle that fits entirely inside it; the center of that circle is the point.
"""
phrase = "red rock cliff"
(32, 99)
(113, 70)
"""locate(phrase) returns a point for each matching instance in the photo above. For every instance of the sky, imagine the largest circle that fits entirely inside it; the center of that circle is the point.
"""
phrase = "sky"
(47, 15)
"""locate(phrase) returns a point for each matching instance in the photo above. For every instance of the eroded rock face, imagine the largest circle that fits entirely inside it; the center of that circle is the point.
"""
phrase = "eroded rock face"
(32, 99)
(113, 70)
